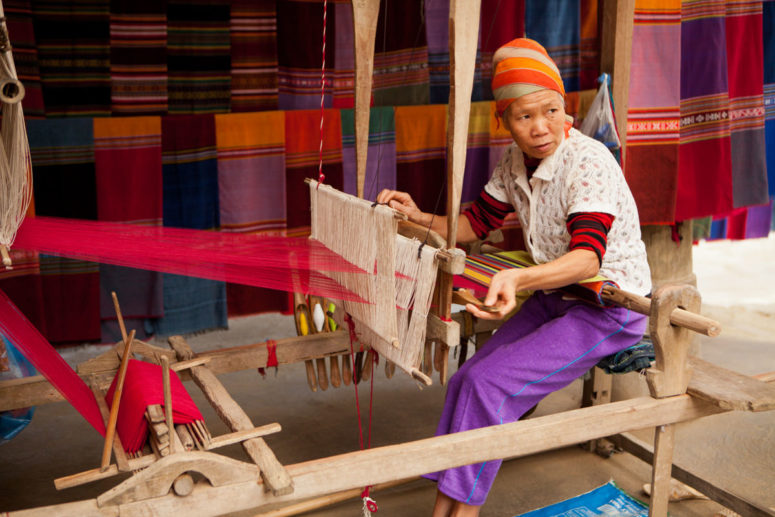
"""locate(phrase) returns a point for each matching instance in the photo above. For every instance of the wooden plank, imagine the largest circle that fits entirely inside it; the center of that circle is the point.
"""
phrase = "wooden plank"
(664, 442)
(239, 436)
(383, 464)
(615, 55)
(36, 390)
(644, 451)
(448, 332)
(96, 474)
(729, 390)
(272, 472)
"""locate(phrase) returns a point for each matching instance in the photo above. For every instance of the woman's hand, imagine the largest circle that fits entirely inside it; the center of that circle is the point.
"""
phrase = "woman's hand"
(502, 295)
(402, 202)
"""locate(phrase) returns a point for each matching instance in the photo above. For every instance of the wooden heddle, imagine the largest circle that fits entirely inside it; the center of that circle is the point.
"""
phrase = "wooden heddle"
(398, 279)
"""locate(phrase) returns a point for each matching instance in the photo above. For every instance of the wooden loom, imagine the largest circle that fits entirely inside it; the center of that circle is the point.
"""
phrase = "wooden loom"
(229, 485)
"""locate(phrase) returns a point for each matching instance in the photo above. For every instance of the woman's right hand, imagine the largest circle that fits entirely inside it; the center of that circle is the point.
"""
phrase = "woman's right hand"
(402, 202)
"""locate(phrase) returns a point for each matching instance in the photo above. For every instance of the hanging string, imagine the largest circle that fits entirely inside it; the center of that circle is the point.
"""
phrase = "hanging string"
(321, 176)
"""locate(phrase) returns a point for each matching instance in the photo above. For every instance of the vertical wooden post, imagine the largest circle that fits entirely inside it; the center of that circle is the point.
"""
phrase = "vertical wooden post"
(615, 56)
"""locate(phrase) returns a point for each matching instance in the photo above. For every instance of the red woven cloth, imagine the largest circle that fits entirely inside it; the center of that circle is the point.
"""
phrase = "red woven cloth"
(142, 388)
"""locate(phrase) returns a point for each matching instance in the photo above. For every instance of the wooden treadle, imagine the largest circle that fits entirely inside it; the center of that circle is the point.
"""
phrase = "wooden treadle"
(727, 389)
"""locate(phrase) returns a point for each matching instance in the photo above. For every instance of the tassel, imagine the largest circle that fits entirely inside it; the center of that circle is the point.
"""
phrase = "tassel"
(369, 504)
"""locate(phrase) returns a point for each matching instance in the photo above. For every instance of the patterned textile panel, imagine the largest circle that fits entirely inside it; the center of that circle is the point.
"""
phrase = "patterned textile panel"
(190, 189)
(127, 156)
(381, 157)
(477, 170)
(138, 57)
(251, 190)
(653, 126)
(556, 24)
(437, 34)
(300, 53)
(768, 11)
(589, 45)
(746, 102)
(401, 74)
(253, 55)
(500, 23)
(65, 186)
(420, 155)
(25, 55)
(705, 174)
(342, 78)
(302, 160)
(74, 55)
(198, 46)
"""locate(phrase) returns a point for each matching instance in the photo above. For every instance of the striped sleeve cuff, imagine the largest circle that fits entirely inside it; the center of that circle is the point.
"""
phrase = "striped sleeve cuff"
(487, 214)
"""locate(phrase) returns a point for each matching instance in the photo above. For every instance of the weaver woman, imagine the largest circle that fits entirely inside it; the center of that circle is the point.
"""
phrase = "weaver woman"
(579, 219)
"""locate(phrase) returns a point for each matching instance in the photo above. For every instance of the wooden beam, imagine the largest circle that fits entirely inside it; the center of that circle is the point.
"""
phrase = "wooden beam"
(615, 56)
(36, 390)
(383, 464)
(729, 390)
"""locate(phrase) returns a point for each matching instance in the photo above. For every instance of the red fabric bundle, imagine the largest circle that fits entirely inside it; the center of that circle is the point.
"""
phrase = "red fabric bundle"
(142, 388)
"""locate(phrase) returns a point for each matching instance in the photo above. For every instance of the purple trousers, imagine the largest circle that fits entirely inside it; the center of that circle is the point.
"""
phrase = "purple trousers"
(544, 347)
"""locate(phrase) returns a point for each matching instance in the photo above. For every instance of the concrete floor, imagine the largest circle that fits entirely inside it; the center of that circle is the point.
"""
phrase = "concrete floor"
(734, 450)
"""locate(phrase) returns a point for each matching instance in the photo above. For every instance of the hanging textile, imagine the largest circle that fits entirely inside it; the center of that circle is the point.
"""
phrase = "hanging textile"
(500, 23)
(420, 155)
(65, 186)
(21, 29)
(401, 74)
(138, 57)
(746, 102)
(437, 31)
(190, 183)
(556, 24)
(705, 172)
(253, 55)
(299, 53)
(17, 329)
(381, 157)
(589, 45)
(198, 60)
(127, 157)
(477, 170)
(768, 35)
(653, 127)
(342, 78)
(302, 157)
(74, 54)
(251, 192)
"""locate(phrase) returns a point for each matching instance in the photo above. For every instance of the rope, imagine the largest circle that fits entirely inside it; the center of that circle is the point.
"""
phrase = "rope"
(321, 176)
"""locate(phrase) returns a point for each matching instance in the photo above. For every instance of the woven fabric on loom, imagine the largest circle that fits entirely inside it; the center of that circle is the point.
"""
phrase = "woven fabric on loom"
(653, 128)
(127, 155)
(705, 172)
(381, 157)
(299, 53)
(74, 56)
(420, 155)
(302, 156)
(190, 183)
(25, 55)
(557, 25)
(198, 45)
(401, 55)
(251, 190)
(253, 55)
(480, 269)
(138, 57)
(500, 23)
(65, 186)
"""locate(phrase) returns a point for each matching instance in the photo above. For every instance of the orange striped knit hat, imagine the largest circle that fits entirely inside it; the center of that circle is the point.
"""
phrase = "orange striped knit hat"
(522, 66)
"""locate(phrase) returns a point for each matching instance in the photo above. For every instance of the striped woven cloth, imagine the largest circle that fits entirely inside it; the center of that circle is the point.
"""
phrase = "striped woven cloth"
(127, 157)
(653, 128)
(556, 24)
(480, 269)
(25, 55)
(769, 91)
(381, 157)
(198, 46)
(420, 155)
(138, 57)
(253, 55)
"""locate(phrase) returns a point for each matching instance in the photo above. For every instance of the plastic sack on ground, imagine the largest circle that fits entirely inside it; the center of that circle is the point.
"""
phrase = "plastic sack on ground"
(13, 365)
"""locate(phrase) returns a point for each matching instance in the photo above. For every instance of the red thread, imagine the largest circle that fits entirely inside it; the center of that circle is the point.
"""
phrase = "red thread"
(321, 176)
(271, 353)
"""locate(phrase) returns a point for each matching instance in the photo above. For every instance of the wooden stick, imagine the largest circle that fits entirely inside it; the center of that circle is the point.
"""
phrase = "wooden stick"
(111, 429)
(118, 315)
(336, 376)
(241, 436)
(96, 474)
(679, 317)
(183, 365)
(165, 376)
(185, 437)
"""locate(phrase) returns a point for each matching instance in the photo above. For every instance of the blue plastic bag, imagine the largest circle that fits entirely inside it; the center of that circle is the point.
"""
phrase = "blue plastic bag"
(14, 421)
